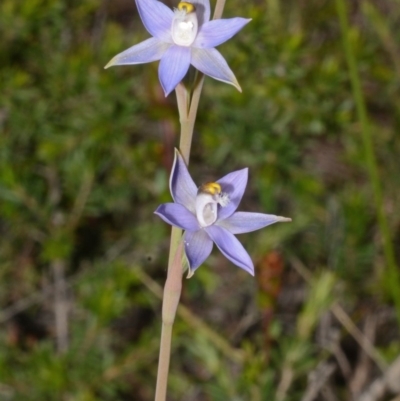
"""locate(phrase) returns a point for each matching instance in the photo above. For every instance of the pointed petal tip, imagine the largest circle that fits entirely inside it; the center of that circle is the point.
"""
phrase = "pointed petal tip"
(166, 93)
(236, 85)
(165, 89)
(190, 273)
(110, 63)
(177, 155)
(248, 269)
(284, 219)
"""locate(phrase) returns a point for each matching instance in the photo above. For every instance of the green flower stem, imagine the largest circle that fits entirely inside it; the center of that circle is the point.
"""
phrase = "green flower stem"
(393, 278)
(187, 114)
(172, 293)
(219, 9)
(187, 107)
(173, 285)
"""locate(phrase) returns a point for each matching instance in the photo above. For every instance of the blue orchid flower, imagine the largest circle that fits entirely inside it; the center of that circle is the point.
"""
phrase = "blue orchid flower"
(182, 37)
(208, 215)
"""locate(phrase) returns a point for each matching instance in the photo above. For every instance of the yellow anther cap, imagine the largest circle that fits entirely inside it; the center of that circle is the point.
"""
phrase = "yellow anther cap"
(212, 188)
(187, 7)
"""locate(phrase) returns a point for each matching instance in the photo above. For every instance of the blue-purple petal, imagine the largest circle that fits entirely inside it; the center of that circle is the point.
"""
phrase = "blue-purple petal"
(234, 184)
(144, 52)
(178, 216)
(198, 247)
(230, 246)
(173, 67)
(182, 187)
(218, 31)
(203, 11)
(245, 222)
(210, 62)
(157, 18)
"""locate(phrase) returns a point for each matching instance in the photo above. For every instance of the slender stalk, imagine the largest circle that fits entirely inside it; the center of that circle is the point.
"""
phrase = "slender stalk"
(182, 100)
(187, 108)
(393, 277)
(219, 8)
(173, 285)
(172, 293)
(194, 104)
(187, 114)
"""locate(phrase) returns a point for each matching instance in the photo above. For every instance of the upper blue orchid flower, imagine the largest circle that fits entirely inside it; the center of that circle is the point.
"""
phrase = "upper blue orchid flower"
(208, 215)
(182, 37)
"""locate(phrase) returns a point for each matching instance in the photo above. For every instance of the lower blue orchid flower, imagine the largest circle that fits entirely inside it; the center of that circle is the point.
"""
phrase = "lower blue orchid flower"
(208, 215)
(182, 37)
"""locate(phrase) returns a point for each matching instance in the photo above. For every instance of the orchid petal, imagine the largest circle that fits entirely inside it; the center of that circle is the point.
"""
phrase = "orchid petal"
(198, 247)
(182, 187)
(173, 67)
(178, 216)
(211, 63)
(144, 52)
(203, 10)
(233, 184)
(245, 222)
(230, 246)
(157, 18)
(218, 31)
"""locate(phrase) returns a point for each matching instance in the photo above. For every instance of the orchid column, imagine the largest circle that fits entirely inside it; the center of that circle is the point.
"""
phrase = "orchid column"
(182, 37)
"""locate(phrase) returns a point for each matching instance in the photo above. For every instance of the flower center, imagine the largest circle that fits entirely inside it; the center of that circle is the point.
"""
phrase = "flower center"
(209, 196)
(184, 24)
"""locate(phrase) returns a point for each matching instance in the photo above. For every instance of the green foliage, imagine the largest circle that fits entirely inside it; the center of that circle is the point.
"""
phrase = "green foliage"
(84, 161)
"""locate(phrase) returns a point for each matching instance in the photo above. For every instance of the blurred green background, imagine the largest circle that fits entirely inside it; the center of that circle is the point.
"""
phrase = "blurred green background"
(85, 156)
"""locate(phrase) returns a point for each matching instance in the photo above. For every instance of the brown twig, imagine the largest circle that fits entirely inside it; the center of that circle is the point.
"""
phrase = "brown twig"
(344, 319)
(317, 380)
(363, 367)
(60, 305)
(388, 382)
